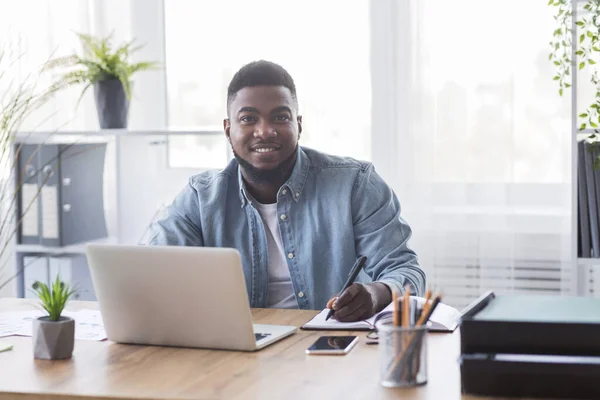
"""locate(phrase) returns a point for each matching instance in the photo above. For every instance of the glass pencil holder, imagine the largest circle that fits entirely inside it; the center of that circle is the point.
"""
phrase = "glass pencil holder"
(402, 355)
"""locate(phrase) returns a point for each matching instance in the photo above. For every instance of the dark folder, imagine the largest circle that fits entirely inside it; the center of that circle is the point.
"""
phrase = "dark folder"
(531, 346)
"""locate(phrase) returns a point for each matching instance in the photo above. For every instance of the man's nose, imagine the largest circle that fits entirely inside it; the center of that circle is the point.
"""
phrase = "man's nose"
(264, 130)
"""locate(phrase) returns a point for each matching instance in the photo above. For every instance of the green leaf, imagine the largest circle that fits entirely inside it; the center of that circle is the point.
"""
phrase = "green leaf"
(582, 64)
(582, 127)
(579, 52)
(579, 23)
(556, 78)
(595, 48)
(593, 124)
(589, 34)
(591, 61)
(581, 38)
(560, 92)
(567, 85)
(584, 115)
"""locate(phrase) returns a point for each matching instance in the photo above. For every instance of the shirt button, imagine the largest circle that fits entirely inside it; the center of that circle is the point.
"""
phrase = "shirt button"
(284, 191)
(290, 255)
(300, 294)
(297, 194)
(283, 217)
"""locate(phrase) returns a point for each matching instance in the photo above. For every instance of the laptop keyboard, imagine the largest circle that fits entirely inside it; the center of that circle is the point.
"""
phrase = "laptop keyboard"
(260, 336)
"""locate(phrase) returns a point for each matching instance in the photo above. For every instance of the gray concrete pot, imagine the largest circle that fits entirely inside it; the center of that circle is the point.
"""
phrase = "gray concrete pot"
(112, 104)
(53, 340)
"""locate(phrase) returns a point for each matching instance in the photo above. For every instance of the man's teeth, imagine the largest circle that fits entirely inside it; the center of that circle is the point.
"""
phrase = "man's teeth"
(265, 150)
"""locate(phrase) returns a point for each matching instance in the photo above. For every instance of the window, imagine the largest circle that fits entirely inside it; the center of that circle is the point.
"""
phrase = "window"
(323, 45)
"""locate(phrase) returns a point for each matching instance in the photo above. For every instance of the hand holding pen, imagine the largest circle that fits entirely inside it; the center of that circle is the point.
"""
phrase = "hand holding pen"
(358, 301)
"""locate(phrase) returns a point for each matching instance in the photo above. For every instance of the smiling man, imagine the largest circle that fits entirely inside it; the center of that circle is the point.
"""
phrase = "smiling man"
(298, 217)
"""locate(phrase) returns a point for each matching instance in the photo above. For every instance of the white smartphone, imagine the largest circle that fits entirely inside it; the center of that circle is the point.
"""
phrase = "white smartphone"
(336, 345)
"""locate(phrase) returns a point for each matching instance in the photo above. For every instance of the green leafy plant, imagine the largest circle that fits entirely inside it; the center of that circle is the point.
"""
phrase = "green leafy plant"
(53, 298)
(587, 49)
(99, 62)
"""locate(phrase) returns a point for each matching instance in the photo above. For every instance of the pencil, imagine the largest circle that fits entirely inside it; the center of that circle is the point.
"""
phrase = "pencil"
(406, 308)
(395, 301)
(427, 304)
(405, 315)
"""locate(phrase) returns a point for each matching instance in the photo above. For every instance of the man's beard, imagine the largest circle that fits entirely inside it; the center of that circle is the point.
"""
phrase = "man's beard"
(274, 175)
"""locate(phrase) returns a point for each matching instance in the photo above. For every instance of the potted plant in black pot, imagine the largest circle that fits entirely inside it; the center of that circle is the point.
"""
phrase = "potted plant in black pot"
(53, 335)
(108, 71)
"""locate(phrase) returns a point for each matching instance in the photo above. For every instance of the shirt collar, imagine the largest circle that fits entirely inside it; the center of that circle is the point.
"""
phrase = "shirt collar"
(294, 184)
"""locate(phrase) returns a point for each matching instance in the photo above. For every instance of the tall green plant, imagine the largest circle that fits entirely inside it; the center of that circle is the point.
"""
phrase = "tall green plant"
(19, 98)
(99, 62)
(587, 49)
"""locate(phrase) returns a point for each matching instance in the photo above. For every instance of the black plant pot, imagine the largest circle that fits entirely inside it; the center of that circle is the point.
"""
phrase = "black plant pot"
(112, 104)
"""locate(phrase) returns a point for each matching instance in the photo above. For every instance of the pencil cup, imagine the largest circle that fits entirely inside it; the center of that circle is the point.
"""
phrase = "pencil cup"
(402, 354)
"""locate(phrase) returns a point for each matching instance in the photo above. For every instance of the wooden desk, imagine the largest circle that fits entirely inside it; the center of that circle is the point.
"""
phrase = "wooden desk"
(105, 370)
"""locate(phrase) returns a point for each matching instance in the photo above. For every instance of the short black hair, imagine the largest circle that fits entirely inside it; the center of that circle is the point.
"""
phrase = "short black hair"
(260, 73)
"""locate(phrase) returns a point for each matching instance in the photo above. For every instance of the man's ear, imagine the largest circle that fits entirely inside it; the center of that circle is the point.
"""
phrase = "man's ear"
(226, 128)
(299, 118)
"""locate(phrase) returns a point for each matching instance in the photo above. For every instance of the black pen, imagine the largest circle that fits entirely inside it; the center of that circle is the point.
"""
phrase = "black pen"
(360, 262)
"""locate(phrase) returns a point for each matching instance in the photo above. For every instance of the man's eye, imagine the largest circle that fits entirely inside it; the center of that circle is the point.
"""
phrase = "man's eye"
(247, 119)
(282, 118)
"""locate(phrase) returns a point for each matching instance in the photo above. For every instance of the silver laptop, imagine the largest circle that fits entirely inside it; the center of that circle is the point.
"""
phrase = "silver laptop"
(176, 296)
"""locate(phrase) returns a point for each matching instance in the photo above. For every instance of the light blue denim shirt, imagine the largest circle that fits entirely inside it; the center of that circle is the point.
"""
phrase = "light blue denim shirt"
(331, 210)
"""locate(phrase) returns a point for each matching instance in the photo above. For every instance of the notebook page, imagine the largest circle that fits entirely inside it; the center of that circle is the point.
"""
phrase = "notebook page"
(318, 322)
(444, 319)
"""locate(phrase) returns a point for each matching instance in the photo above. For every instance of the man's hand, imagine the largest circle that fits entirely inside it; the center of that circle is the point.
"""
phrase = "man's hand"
(360, 301)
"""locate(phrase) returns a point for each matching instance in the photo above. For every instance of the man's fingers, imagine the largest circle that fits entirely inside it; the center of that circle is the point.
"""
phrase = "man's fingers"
(330, 302)
(347, 296)
(349, 308)
(359, 314)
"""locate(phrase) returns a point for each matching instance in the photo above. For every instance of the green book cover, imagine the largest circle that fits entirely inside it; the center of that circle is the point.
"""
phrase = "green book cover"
(548, 309)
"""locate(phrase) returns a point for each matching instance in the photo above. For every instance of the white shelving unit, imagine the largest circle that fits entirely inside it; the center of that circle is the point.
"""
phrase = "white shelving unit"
(137, 182)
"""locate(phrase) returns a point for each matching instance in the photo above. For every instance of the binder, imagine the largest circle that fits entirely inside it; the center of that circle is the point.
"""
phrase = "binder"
(48, 179)
(67, 182)
(591, 199)
(584, 215)
(27, 198)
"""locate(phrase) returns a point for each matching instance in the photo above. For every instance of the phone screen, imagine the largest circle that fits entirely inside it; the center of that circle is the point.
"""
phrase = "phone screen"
(332, 344)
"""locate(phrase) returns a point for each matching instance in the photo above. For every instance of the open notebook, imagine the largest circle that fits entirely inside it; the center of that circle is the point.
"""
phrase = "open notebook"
(444, 319)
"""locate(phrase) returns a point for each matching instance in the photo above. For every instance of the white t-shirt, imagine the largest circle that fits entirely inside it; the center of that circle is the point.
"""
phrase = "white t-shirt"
(281, 291)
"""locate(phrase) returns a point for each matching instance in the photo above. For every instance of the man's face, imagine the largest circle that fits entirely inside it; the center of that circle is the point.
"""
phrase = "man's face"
(263, 129)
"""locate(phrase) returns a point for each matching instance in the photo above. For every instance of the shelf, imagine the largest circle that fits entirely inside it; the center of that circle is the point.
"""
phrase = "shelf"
(588, 261)
(72, 249)
(123, 132)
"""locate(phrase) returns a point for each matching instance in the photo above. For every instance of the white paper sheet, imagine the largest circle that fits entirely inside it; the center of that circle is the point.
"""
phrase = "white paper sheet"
(29, 224)
(88, 323)
(50, 212)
